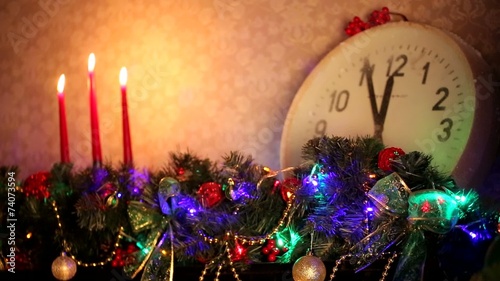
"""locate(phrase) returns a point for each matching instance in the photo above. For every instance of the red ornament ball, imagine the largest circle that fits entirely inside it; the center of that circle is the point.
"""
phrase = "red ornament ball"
(210, 194)
(239, 252)
(106, 190)
(387, 155)
(37, 185)
(289, 187)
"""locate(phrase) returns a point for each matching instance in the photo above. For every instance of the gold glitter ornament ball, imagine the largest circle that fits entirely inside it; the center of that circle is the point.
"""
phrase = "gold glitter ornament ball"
(63, 268)
(309, 268)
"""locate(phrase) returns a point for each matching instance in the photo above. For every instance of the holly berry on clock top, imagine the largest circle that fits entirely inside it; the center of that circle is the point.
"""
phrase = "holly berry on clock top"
(409, 84)
(376, 18)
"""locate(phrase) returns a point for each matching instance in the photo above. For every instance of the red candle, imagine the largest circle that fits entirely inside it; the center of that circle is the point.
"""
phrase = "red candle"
(94, 120)
(127, 146)
(63, 130)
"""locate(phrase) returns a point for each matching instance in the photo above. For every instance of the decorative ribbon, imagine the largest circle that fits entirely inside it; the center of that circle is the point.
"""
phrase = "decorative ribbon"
(151, 224)
(403, 216)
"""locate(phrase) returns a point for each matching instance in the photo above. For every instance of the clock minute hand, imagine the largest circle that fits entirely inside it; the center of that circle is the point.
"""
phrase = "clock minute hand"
(367, 72)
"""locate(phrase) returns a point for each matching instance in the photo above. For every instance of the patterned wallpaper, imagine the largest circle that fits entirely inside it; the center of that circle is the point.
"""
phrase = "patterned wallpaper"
(204, 76)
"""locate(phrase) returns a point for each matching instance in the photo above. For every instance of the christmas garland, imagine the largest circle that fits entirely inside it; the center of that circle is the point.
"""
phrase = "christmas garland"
(352, 200)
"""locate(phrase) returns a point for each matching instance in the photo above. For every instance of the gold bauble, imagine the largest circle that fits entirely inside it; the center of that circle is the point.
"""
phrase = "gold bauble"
(309, 268)
(63, 268)
(3, 264)
(112, 201)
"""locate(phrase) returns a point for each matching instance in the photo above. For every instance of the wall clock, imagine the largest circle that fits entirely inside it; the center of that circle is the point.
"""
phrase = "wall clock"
(412, 85)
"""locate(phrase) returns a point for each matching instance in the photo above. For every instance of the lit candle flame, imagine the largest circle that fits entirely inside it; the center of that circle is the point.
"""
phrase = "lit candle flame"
(123, 77)
(60, 84)
(91, 62)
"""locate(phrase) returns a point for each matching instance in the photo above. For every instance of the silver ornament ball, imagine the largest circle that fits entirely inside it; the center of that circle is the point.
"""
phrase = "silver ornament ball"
(63, 268)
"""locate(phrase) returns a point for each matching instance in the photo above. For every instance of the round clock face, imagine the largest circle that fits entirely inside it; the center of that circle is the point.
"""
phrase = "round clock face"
(408, 84)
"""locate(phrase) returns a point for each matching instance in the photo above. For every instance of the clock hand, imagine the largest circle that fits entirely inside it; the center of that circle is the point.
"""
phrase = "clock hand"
(385, 101)
(378, 116)
(367, 72)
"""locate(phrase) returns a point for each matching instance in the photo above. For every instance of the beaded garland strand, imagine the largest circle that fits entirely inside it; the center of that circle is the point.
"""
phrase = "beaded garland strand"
(78, 262)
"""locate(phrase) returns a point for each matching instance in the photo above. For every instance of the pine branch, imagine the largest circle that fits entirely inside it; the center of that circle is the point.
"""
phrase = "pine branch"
(418, 172)
(90, 212)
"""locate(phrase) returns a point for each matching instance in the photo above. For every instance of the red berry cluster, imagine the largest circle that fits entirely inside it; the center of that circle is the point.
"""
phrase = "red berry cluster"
(272, 251)
(123, 256)
(376, 18)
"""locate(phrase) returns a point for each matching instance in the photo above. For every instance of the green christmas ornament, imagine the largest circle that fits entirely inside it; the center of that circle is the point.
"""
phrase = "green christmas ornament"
(391, 194)
(405, 217)
(168, 191)
(433, 210)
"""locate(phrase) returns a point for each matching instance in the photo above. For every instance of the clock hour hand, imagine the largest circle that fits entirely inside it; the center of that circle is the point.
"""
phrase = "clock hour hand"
(378, 116)
(367, 73)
